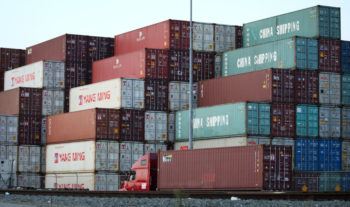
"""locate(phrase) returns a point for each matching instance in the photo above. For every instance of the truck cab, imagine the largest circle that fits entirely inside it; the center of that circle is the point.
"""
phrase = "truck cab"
(144, 176)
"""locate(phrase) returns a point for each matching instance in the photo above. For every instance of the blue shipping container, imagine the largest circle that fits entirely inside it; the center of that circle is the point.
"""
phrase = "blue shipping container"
(345, 123)
(306, 154)
(258, 118)
(345, 89)
(307, 120)
(345, 56)
(329, 153)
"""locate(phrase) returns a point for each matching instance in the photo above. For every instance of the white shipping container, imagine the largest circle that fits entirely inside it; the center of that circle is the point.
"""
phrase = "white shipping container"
(329, 88)
(30, 180)
(156, 124)
(8, 180)
(222, 142)
(29, 158)
(117, 93)
(70, 157)
(225, 38)
(10, 152)
(179, 95)
(52, 102)
(155, 147)
(99, 181)
(87, 156)
(42, 74)
(8, 129)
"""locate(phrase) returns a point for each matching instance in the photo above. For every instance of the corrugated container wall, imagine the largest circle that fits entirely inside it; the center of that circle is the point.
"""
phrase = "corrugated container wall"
(114, 94)
(145, 63)
(179, 95)
(307, 120)
(306, 87)
(52, 102)
(203, 65)
(330, 88)
(156, 94)
(345, 123)
(345, 89)
(9, 59)
(227, 120)
(8, 130)
(227, 37)
(169, 34)
(154, 147)
(203, 36)
(329, 122)
(23, 101)
(96, 124)
(296, 52)
(77, 51)
(272, 85)
(29, 159)
(329, 52)
(171, 126)
(156, 123)
(282, 120)
(43, 74)
(29, 129)
(130, 152)
(10, 152)
(253, 168)
(30, 180)
(345, 56)
(329, 154)
(318, 21)
(346, 155)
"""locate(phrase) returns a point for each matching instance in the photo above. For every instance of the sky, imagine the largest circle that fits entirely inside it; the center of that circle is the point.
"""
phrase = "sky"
(28, 22)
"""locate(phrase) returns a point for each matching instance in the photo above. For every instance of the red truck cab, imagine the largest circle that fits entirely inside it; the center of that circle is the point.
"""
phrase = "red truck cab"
(145, 178)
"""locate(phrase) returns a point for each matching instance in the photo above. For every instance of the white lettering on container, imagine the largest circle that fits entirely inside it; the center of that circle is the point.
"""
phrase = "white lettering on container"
(211, 121)
(266, 33)
(288, 28)
(243, 62)
(259, 59)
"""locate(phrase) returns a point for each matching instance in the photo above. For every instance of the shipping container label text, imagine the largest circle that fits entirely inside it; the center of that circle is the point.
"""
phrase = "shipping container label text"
(259, 59)
(281, 29)
(211, 121)
(69, 185)
(22, 79)
(95, 97)
(69, 157)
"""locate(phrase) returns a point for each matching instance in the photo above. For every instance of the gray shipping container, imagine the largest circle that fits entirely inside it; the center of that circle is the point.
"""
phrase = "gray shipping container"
(345, 123)
(43, 159)
(329, 122)
(283, 141)
(54, 75)
(156, 124)
(107, 181)
(133, 93)
(29, 158)
(329, 88)
(318, 21)
(43, 130)
(8, 180)
(179, 95)
(107, 156)
(154, 147)
(171, 127)
(225, 37)
(203, 36)
(30, 180)
(8, 129)
(130, 152)
(10, 152)
(52, 102)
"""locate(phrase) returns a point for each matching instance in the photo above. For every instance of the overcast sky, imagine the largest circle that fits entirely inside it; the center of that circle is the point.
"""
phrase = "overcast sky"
(28, 22)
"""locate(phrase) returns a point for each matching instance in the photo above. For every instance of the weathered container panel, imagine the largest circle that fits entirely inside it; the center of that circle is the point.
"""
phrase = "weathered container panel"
(345, 123)
(329, 122)
(330, 88)
(307, 121)
(345, 89)
(306, 87)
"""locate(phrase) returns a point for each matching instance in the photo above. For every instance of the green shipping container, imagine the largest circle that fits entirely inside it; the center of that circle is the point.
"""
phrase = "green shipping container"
(296, 52)
(228, 120)
(318, 21)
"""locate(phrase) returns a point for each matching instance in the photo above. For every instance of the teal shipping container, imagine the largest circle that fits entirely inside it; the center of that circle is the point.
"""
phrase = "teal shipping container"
(317, 21)
(306, 120)
(296, 52)
(228, 120)
(345, 89)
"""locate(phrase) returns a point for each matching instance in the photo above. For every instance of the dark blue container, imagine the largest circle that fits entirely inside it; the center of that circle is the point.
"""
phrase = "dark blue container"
(306, 155)
(345, 56)
(329, 153)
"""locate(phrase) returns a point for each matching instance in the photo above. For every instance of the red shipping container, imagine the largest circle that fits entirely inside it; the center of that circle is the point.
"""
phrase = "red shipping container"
(156, 95)
(21, 101)
(146, 63)
(96, 124)
(169, 34)
(306, 87)
(258, 167)
(203, 65)
(271, 85)
(282, 120)
(29, 129)
(11, 58)
(329, 55)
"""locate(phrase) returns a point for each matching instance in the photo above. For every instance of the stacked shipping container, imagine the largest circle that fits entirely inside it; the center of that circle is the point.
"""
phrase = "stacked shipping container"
(9, 59)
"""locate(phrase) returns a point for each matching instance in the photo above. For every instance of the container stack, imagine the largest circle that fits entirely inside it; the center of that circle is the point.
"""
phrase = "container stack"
(9, 59)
